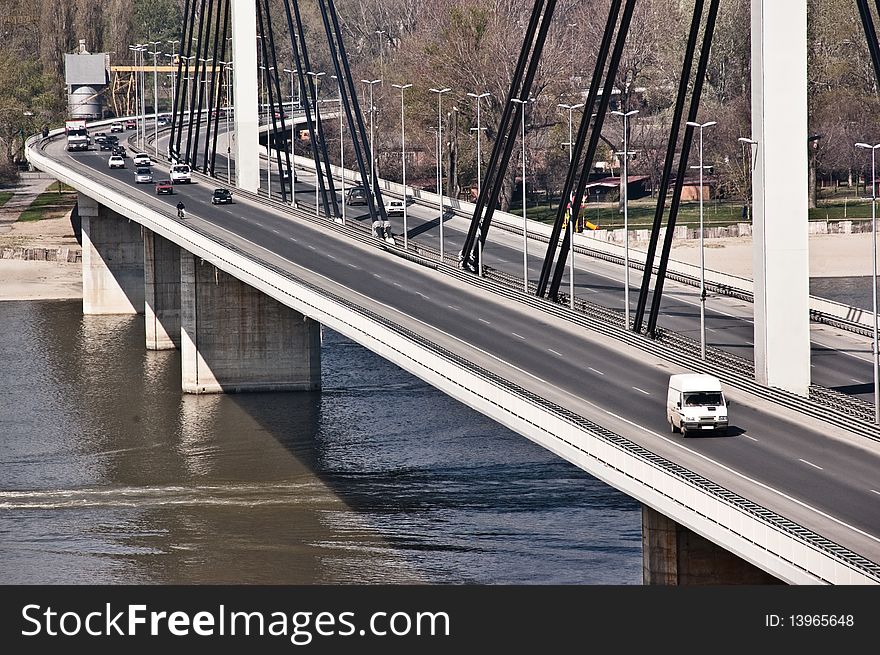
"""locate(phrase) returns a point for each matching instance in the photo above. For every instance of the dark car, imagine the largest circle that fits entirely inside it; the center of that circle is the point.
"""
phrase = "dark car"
(357, 195)
(120, 150)
(222, 197)
(106, 144)
(164, 186)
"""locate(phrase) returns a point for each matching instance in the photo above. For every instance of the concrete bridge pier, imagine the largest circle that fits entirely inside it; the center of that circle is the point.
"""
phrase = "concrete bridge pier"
(112, 261)
(672, 555)
(235, 338)
(162, 292)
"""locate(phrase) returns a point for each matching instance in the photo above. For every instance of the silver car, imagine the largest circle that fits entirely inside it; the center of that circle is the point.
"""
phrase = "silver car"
(143, 175)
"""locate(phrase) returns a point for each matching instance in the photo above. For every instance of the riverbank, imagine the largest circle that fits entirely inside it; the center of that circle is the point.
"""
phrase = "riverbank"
(831, 255)
(38, 279)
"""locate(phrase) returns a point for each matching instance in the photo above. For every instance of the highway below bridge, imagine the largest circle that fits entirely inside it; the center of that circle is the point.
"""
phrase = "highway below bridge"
(812, 484)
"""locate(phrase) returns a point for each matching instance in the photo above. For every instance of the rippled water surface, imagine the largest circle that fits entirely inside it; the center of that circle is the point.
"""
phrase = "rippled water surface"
(109, 474)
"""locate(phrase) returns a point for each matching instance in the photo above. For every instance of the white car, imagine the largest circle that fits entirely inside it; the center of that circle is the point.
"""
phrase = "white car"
(143, 175)
(180, 174)
(394, 207)
(142, 160)
(116, 161)
(116, 127)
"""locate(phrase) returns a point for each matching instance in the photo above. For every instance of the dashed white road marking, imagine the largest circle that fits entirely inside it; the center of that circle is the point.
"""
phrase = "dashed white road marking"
(748, 437)
(810, 464)
(483, 320)
(595, 370)
(642, 391)
(558, 354)
(518, 336)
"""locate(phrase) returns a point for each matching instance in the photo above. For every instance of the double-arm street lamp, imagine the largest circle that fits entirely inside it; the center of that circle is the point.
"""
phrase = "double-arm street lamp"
(624, 190)
(371, 84)
(478, 130)
(524, 201)
(701, 127)
(873, 149)
(316, 76)
(570, 109)
(440, 93)
(403, 87)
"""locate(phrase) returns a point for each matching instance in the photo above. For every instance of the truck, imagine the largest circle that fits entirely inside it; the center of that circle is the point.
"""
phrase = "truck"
(696, 403)
(77, 135)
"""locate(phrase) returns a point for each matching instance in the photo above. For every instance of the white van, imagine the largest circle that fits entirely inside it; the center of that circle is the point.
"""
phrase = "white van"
(180, 174)
(695, 402)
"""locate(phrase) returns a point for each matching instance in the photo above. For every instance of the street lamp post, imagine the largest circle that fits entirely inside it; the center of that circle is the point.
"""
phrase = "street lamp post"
(402, 88)
(291, 72)
(173, 59)
(379, 34)
(316, 76)
(624, 187)
(479, 129)
(524, 201)
(227, 67)
(751, 142)
(371, 84)
(701, 126)
(873, 149)
(440, 93)
(156, 54)
(341, 150)
(570, 109)
(269, 135)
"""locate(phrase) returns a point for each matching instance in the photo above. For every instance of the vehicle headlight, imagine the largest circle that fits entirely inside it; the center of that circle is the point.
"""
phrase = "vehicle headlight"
(722, 418)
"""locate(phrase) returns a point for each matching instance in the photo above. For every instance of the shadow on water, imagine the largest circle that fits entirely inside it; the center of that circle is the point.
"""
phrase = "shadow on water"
(111, 474)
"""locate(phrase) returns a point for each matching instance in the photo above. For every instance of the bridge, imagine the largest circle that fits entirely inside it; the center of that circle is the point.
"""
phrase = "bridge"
(242, 290)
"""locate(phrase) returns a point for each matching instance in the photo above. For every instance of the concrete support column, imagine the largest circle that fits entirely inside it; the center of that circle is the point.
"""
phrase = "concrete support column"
(781, 258)
(235, 338)
(112, 261)
(246, 148)
(162, 292)
(673, 555)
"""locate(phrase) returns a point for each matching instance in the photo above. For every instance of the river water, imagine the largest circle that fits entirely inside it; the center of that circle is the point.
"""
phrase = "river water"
(109, 474)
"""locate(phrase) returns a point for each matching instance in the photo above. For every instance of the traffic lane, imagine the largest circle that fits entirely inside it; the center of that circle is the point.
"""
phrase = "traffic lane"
(615, 395)
(831, 366)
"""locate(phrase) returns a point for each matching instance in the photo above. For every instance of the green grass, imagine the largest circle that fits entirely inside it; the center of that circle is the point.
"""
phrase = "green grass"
(641, 214)
(4, 197)
(49, 204)
(835, 207)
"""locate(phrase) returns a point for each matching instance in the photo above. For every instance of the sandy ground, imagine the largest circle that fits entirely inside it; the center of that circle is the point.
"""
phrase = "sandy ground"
(831, 255)
(36, 280)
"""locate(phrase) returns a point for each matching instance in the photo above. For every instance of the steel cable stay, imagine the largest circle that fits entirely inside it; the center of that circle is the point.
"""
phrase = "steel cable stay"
(269, 74)
(699, 79)
(354, 118)
(284, 165)
(201, 83)
(195, 79)
(520, 87)
(178, 80)
(183, 78)
(577, 153)
(309, 97)
(595, 136)
(870, 33)
(662, 191)
(218, 88)
(212, 106)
